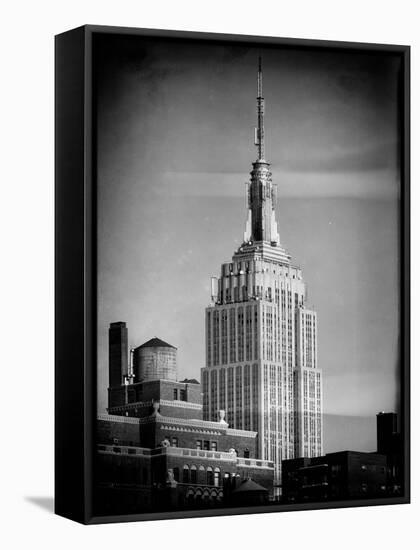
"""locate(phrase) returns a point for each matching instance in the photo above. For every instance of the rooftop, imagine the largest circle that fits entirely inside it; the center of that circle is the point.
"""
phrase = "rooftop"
(249, 486)
(156, 343)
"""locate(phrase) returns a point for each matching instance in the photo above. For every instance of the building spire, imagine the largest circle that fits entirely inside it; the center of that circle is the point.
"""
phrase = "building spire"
(259, 130)
(261, 225)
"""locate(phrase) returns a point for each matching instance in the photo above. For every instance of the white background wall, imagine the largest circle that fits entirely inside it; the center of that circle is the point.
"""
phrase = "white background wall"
(26, 395)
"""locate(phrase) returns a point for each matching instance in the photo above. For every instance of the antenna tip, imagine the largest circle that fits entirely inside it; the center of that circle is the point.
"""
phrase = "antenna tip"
(259, 63)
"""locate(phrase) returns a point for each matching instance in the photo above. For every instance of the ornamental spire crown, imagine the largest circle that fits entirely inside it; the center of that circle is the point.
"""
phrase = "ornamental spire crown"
(261, 224)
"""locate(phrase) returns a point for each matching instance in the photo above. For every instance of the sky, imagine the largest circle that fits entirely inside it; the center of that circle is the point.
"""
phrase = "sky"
(175, 135)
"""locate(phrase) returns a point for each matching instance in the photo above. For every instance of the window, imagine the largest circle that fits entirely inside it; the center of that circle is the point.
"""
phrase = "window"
(210, 476)
(176, 474)
(193, 476)
(206, 445)
(185, 474)
(175, 394)
(182, 395)
(174, 442)
(246, 453)
(213, 446)
(201, 474)
(216, 477)
(335, 470)
(199, 444)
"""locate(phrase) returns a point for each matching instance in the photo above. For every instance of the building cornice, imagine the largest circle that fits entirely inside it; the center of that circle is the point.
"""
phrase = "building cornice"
(181, 404)
(186, 453)
(166, 402)
(187, 429)
(205, 424)
(187, 424)
(195, 422)
(241, 433)
(118, 418)
(128, 406)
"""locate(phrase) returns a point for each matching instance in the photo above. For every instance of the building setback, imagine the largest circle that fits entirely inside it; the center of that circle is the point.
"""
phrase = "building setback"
(261, 337)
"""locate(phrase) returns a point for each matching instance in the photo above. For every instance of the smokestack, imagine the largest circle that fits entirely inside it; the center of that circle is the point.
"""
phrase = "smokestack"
(118, 353)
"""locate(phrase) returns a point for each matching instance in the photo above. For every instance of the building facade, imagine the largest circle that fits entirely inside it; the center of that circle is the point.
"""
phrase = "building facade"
(261, 336)
(390, 444)
(155, 451)
(349, 474)
(335, 476)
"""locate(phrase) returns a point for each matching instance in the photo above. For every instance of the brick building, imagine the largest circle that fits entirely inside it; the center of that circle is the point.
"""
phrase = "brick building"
(155, 451)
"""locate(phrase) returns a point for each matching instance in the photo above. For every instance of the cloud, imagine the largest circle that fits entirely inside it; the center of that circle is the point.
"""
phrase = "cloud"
(378, 184)
(361, 159)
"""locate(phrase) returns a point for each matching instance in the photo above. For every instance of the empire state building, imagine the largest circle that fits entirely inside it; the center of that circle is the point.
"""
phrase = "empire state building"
(261, 338)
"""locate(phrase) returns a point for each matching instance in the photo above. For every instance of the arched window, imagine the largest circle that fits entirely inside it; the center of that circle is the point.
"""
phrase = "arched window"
(246, 453)
(216, 478)
(174, 441)
(176, 474)
(186, 474)
(210, 476)
(193, 474)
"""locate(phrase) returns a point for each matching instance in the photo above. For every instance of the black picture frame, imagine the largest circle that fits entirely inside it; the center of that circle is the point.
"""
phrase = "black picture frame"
(75, 270)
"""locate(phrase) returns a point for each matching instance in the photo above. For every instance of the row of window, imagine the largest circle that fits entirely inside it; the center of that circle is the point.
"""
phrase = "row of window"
(193, 475)
(246, 266)
(206, 445)
(225, 384)
(202, 445)
(337, 468)
(242, 336)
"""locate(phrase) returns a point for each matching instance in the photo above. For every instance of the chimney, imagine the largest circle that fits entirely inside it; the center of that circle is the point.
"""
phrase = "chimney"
(118, 353)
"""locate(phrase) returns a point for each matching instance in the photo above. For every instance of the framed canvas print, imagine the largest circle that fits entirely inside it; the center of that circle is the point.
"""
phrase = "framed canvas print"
(232, 274)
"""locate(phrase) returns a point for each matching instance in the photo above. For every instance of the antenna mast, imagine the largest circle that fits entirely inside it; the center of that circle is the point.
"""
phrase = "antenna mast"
(259, 131)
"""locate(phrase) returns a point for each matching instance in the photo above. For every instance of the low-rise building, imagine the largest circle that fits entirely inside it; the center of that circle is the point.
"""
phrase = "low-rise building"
(335, 476)
(155, 451)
